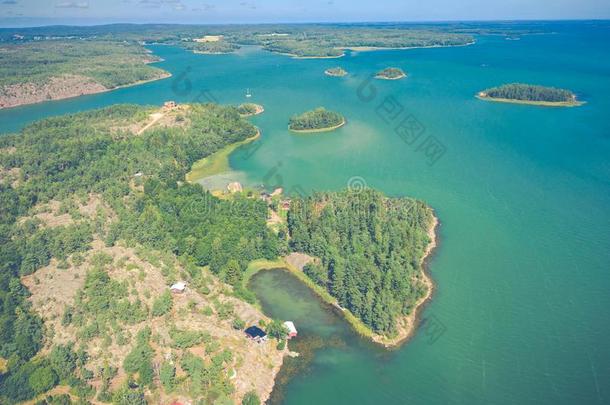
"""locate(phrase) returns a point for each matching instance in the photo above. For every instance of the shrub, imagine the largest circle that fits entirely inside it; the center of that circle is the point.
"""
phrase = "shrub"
(163, 304)
(238, 324)
(251, 398)
(167, 375)
(43, 379)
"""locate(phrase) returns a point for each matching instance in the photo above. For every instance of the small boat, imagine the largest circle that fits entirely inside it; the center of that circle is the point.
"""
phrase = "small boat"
(248, 94)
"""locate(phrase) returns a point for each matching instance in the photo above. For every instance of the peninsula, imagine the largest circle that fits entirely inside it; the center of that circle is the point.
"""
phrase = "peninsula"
(391, 74)
(335, 72)
(318, 120)
(344, 249)
(34, 72)
(520, 93)
(250, 109)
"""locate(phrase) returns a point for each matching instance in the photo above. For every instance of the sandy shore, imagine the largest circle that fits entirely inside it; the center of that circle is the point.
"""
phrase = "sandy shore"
(212, 53)
(379, 77)
(161, 77)
(367, 49)
(379, 48)
(293, 56)
(574, 103)
(328, 73)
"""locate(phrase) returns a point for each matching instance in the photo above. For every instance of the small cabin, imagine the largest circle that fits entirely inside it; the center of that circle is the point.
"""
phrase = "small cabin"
(292, 330)
(178, 288)
(168, 105)
(255, 333)
(234, 187)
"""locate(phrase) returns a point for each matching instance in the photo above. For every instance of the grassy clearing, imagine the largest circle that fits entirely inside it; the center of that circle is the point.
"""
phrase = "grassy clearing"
(217, 162)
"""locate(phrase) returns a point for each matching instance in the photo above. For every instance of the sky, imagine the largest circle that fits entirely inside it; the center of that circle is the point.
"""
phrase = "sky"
(42, 12)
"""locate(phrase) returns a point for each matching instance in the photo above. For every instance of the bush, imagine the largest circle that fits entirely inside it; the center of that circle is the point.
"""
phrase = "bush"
(238, 324)
(128, 396)
(167, 375)
(163, 304)
(63, 361)
(277, 330)
(43, 379)
(183, 339)
(140, 358)
(251, 398)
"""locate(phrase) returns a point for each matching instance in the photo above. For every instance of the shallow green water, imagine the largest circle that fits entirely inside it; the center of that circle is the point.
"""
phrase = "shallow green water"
(523, 195)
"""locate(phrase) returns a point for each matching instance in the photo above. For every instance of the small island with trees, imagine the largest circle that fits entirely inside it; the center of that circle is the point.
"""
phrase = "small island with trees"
(318, 120)
(391, 74)
(335, 72)
(530, 94)
(250, 109)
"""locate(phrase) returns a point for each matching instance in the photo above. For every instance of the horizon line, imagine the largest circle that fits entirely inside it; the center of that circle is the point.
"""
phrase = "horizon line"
(101, 24)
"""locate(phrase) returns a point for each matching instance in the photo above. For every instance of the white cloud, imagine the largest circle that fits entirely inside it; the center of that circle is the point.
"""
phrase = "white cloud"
(72, 4)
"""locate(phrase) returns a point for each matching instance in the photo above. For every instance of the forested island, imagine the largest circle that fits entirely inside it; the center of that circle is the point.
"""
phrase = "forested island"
(318, 120)
(250, 109)
(371, 251)
(335, 72)
(39, 71)
(530, 94)
(391, 74)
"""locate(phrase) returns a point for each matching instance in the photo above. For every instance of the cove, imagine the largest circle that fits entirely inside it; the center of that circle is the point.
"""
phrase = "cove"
(325, 339)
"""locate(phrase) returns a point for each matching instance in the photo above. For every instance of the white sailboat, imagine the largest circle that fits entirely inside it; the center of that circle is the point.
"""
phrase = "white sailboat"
(248, 94)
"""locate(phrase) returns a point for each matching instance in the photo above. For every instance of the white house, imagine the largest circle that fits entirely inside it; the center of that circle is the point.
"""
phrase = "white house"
(292, 330)
(178, 287)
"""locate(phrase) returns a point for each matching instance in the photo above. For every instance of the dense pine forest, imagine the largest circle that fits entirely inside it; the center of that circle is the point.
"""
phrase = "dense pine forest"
(370, 250)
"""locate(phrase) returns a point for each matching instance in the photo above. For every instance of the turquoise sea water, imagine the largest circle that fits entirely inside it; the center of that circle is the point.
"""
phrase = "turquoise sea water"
(522, 193)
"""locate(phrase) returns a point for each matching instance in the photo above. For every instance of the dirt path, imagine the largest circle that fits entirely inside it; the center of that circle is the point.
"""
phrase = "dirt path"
(155, 118)
(274, 218)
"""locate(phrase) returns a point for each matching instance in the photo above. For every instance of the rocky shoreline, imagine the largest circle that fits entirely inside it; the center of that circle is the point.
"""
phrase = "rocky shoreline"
(57, 88)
